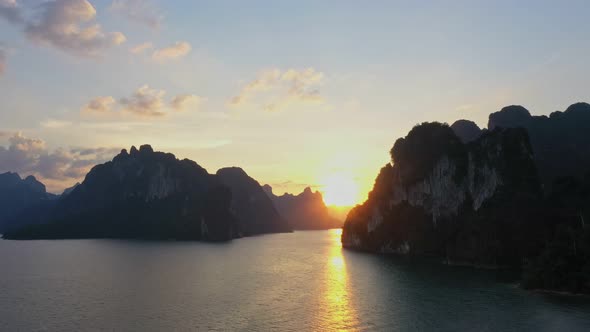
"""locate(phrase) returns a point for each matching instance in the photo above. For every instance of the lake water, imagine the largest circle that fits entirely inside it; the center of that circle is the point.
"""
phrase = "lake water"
(285, 282)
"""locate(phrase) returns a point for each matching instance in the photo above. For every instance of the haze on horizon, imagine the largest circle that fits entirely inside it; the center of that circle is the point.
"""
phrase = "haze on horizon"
(298, 94)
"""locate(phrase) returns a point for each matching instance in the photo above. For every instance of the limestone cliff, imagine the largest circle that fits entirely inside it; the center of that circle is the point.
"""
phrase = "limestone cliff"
(462, 202)
(141, 194)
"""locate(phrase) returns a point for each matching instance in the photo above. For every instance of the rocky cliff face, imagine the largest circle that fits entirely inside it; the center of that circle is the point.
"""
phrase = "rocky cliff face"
(17, 195)
(254, 210)
(563, 263)
(142, 194)
(305, 211)
(464, 203)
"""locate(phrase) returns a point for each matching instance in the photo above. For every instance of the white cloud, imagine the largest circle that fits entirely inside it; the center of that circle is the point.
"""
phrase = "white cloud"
(275, 89)
(145, 101)
(67, 25)
(140, 11)
(178, 50)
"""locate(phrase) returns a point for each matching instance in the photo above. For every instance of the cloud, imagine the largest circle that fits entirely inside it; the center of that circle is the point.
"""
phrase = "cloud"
(62, 166)
(276, 89)
(67, 25)
(99, 105)
(140, 11)
(141, 48)
(10, 11)
(178, 50)
(94, 151)
(144, 102)
(181, 102)
(18, 156)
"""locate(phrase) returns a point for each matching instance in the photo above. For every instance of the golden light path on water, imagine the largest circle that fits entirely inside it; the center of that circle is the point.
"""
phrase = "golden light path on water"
(339, 313)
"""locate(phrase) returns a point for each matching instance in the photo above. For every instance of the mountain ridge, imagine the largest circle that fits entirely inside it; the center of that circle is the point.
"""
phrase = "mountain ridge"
(147, 194)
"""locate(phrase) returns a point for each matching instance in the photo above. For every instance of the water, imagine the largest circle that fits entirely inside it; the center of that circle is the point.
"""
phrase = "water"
(284, 282)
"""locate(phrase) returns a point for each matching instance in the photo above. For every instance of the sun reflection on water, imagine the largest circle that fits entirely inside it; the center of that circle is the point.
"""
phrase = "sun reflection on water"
(336, 307)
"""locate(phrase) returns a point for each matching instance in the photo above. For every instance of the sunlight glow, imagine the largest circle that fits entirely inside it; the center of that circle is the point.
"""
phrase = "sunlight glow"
(337, 310)
(340, 189)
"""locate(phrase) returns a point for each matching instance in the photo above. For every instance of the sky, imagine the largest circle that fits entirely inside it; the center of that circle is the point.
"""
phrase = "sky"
(298, 93)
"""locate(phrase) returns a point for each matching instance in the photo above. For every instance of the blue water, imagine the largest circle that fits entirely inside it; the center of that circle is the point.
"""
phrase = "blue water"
(286, 282)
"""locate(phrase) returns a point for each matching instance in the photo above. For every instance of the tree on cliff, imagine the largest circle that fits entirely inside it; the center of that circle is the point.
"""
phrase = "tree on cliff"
(424, 145)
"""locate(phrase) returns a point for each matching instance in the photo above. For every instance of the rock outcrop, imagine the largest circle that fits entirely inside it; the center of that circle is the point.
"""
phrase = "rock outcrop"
(254, 210)
(464, 203)
(516, 195)
(306, 211)
(466, 130)
(18, 195)
(153, 195)
(142, 194)
(561, 141)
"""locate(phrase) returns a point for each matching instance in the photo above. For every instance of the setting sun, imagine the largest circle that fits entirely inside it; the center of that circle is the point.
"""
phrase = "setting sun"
(340, 189)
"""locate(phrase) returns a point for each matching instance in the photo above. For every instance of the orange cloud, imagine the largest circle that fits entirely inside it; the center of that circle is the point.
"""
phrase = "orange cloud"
(141, 48)
(101, 105)
(181, 102)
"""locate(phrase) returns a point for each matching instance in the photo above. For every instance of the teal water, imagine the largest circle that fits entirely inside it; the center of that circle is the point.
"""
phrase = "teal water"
(285, 282)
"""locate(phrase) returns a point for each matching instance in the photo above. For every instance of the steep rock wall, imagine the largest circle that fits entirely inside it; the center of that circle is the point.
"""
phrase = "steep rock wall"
(456, 209)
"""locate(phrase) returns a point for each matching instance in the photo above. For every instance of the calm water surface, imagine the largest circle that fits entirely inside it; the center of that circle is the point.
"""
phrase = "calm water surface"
(285, 282)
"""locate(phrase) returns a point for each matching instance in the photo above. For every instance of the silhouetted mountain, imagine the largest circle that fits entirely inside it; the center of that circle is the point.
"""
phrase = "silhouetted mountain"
(147, 194)
(480, 201)
(465, 203)
(305, 211)
(67, 191)
(18, 195)
(466, 130)
(141, 194)
(254, 210)
(509, 117)
(561, 142)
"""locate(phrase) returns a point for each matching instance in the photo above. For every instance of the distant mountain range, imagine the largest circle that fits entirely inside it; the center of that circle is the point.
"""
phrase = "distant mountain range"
(515, 195)
(18, 195)
(250, 204)
(147, 194)
(306, 211)
(151, 195)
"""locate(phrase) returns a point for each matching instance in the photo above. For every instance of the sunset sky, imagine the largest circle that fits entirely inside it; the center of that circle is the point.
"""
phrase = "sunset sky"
(298, 93)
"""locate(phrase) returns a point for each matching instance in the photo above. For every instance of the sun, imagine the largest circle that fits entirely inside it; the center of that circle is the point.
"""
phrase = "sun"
(340, 189)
